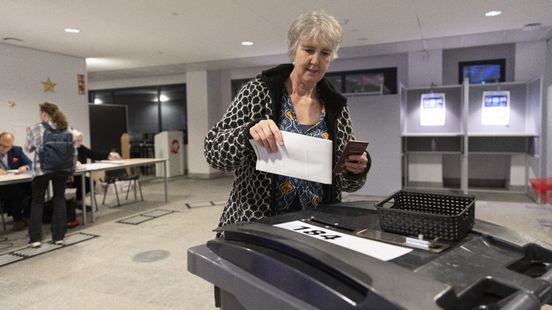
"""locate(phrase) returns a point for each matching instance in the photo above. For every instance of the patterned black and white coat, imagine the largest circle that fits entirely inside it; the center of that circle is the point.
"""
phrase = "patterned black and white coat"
(227, 146)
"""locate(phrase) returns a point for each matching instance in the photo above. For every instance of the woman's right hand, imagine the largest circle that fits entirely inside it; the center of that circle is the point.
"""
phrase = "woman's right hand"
(267, 134)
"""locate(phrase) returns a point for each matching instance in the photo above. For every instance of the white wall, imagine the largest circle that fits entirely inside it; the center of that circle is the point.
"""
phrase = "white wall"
(530, 60)
(376, 119)
(22, 71)
(547, 109)
(425, 68)
(202, 103)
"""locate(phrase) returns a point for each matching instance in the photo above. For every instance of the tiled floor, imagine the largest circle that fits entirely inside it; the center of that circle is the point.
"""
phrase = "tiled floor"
(144, 266)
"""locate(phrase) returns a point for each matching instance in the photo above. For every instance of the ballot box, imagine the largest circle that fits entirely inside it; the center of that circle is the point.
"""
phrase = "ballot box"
(337, 257)
(169, 144)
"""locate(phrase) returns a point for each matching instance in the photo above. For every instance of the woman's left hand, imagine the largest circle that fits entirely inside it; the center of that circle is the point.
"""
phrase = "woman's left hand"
(356, 164)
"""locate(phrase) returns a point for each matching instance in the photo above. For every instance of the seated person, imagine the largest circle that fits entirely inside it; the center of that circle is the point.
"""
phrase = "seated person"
(84, 154)
(16, 196)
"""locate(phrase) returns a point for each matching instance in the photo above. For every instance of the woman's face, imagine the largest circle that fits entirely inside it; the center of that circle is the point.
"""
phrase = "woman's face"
(78, 141)
(312, 59)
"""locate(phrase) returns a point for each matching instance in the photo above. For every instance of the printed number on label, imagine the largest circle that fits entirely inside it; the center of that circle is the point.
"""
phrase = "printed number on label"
(316, 232)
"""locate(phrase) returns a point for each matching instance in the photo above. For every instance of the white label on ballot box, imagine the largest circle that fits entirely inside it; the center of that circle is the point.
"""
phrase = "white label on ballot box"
(376, 249)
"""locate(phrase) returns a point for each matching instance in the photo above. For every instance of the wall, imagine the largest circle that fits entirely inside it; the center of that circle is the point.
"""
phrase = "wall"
(22, 72)
(384, 136)
(203, 103)
(425, 68)
(547, 111)
(530, 60)
(452, 57)
(415, 69)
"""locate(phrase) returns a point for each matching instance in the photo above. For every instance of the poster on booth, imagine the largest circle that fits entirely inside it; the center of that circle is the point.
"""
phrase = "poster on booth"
(495, 108)
(432, 109)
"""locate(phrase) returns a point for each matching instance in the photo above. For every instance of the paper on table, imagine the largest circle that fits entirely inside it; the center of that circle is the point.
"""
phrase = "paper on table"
(113, 161)
(301, 157)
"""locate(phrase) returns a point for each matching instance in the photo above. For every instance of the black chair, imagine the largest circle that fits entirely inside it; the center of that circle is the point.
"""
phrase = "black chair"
(111, 178)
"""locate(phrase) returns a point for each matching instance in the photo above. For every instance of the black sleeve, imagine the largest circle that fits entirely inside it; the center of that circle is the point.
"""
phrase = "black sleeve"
(85, 153)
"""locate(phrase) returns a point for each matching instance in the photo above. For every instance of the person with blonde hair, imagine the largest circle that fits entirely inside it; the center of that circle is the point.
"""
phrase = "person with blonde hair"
(83, 154)
(51, 119)
(293, 97)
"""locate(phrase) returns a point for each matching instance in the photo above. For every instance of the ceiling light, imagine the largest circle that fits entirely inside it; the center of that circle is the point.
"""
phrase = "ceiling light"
(493, 13)
(12, 40)
(98, 101)
(71, 30)
(247, 43)
(531, 26)
(164, 98)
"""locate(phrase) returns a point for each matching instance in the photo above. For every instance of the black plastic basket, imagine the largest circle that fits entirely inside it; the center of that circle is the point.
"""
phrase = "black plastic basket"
(446, 216)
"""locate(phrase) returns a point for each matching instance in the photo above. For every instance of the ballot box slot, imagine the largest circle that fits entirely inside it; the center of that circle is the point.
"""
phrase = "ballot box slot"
(328, 224)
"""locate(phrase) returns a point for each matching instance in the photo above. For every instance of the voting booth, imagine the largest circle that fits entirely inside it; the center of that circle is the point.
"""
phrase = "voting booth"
(169, 144)
(338, 257)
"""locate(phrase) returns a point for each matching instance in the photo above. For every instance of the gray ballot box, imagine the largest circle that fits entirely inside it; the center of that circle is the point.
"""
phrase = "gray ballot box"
(272, 265)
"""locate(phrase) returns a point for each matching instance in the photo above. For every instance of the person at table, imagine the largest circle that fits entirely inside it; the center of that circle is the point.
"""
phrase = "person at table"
(50, 116)
(84, 154)
(15, 196)
(290, 97)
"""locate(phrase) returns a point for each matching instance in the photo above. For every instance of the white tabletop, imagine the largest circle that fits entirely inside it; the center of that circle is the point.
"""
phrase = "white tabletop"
(11, 178)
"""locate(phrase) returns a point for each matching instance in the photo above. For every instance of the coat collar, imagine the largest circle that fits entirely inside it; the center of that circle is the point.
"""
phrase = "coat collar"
(275, 77)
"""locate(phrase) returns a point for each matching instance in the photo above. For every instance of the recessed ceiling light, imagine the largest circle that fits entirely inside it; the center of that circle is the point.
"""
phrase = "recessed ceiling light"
(12, 39)
(531, 26)
(71, 30)
(493, 13)
(247, 43)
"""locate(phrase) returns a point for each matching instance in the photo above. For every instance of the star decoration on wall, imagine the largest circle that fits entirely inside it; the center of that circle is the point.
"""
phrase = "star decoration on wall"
(48, 86)
(11, 103)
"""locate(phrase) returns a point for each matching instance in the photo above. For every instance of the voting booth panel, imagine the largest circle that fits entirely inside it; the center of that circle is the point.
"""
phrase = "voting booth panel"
(170, 145)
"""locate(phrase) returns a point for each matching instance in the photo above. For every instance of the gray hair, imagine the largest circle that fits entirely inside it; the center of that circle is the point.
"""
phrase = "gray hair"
(76, 134)
(317, 25)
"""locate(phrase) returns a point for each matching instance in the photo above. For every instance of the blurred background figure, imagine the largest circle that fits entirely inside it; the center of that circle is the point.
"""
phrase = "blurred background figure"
(16, 197)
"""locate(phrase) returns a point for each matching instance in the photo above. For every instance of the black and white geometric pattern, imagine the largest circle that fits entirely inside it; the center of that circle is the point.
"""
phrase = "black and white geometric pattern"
(227, 148)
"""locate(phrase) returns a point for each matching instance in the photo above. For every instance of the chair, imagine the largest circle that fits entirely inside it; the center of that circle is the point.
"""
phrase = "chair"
(111, 178)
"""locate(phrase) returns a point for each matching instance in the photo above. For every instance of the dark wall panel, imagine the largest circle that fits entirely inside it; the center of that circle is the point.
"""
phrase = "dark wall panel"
(107, 124)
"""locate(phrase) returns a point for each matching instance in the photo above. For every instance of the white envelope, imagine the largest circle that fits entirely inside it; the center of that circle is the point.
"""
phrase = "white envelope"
(301, 157)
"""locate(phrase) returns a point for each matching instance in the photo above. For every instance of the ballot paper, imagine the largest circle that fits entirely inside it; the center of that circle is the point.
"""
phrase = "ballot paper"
(301, 157)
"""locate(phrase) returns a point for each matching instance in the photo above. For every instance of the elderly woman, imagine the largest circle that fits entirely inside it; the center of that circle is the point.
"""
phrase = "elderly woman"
(84, 154)
(291, 97)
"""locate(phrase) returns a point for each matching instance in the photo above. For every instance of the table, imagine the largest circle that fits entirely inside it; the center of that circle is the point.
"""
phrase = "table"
(15, 178)
(114, 165)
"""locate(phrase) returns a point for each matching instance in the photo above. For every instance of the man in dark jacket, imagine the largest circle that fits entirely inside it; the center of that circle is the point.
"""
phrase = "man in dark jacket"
(15, 196)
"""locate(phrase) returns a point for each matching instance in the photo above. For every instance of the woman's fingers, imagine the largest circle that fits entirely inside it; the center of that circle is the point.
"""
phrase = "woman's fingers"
(356, 163)
(267, 134)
